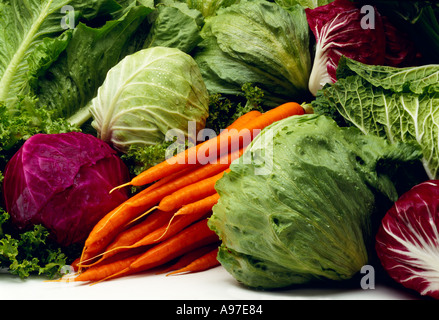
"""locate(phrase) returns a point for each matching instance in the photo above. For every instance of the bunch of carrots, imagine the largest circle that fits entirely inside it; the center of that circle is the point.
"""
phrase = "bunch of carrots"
(166, 222)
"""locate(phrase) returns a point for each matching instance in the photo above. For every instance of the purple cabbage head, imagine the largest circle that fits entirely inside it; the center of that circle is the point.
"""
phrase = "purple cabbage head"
(62, 181)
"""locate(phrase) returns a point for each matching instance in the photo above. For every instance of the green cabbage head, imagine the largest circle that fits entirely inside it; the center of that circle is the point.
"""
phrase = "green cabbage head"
(147, 94)
(296, 207)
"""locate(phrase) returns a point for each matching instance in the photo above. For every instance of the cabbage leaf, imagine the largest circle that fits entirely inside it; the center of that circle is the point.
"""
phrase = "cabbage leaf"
(174, 25)
(399, 104)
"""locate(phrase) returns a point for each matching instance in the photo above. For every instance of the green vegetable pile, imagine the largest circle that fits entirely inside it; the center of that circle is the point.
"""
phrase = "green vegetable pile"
(55, 58)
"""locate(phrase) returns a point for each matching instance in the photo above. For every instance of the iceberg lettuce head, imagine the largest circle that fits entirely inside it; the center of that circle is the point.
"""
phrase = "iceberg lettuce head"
(309, 216)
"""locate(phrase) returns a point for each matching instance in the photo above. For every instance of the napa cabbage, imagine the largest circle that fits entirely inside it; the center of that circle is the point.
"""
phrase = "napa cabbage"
(399, 104)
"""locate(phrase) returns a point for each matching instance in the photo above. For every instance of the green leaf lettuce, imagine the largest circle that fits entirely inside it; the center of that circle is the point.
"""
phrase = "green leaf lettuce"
(257, 42)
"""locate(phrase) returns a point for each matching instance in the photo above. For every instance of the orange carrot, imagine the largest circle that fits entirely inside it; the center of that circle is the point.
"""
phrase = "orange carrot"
(181, 219)
(165, 180)
(245, 118)
(189, 257)
(137, 232)
(189, 214)
(181, 160)
(203, 263)
(191, 238)
(116, 220)
(192, 211)
(106, 269)
(75, 264)
(133, 234)
(191, 193)
(199, 206)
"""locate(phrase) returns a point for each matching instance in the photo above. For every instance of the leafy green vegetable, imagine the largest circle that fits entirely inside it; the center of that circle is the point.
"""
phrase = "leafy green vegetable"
(312, 4)
(399, 104)
(298, 205)
(26, 25)
(68, 85)
(140, 158)
(209, 7)
(174, 25)
(147, 94)
(257, 42)
(31, 252)
(225, 110)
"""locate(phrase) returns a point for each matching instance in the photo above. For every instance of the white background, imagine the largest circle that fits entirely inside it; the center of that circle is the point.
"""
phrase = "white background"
(214, 284)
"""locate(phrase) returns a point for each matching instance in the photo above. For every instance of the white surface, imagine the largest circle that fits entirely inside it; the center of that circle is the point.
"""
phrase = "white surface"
(214, 284)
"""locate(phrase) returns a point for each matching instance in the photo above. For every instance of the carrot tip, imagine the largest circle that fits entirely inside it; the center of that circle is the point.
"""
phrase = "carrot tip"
(175, 273)
(120, 187)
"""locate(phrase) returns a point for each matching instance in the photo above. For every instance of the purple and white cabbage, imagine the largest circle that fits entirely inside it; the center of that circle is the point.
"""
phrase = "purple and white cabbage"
(341, 28)
(407, 242)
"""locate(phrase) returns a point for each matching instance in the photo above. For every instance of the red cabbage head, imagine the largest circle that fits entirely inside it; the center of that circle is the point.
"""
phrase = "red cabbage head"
(62, 181)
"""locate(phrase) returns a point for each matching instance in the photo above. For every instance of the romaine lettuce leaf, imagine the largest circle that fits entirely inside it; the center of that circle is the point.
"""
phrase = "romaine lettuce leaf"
(209, 7)
(68, 85)
(63, 68)
(400, 104)
(25, 25)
